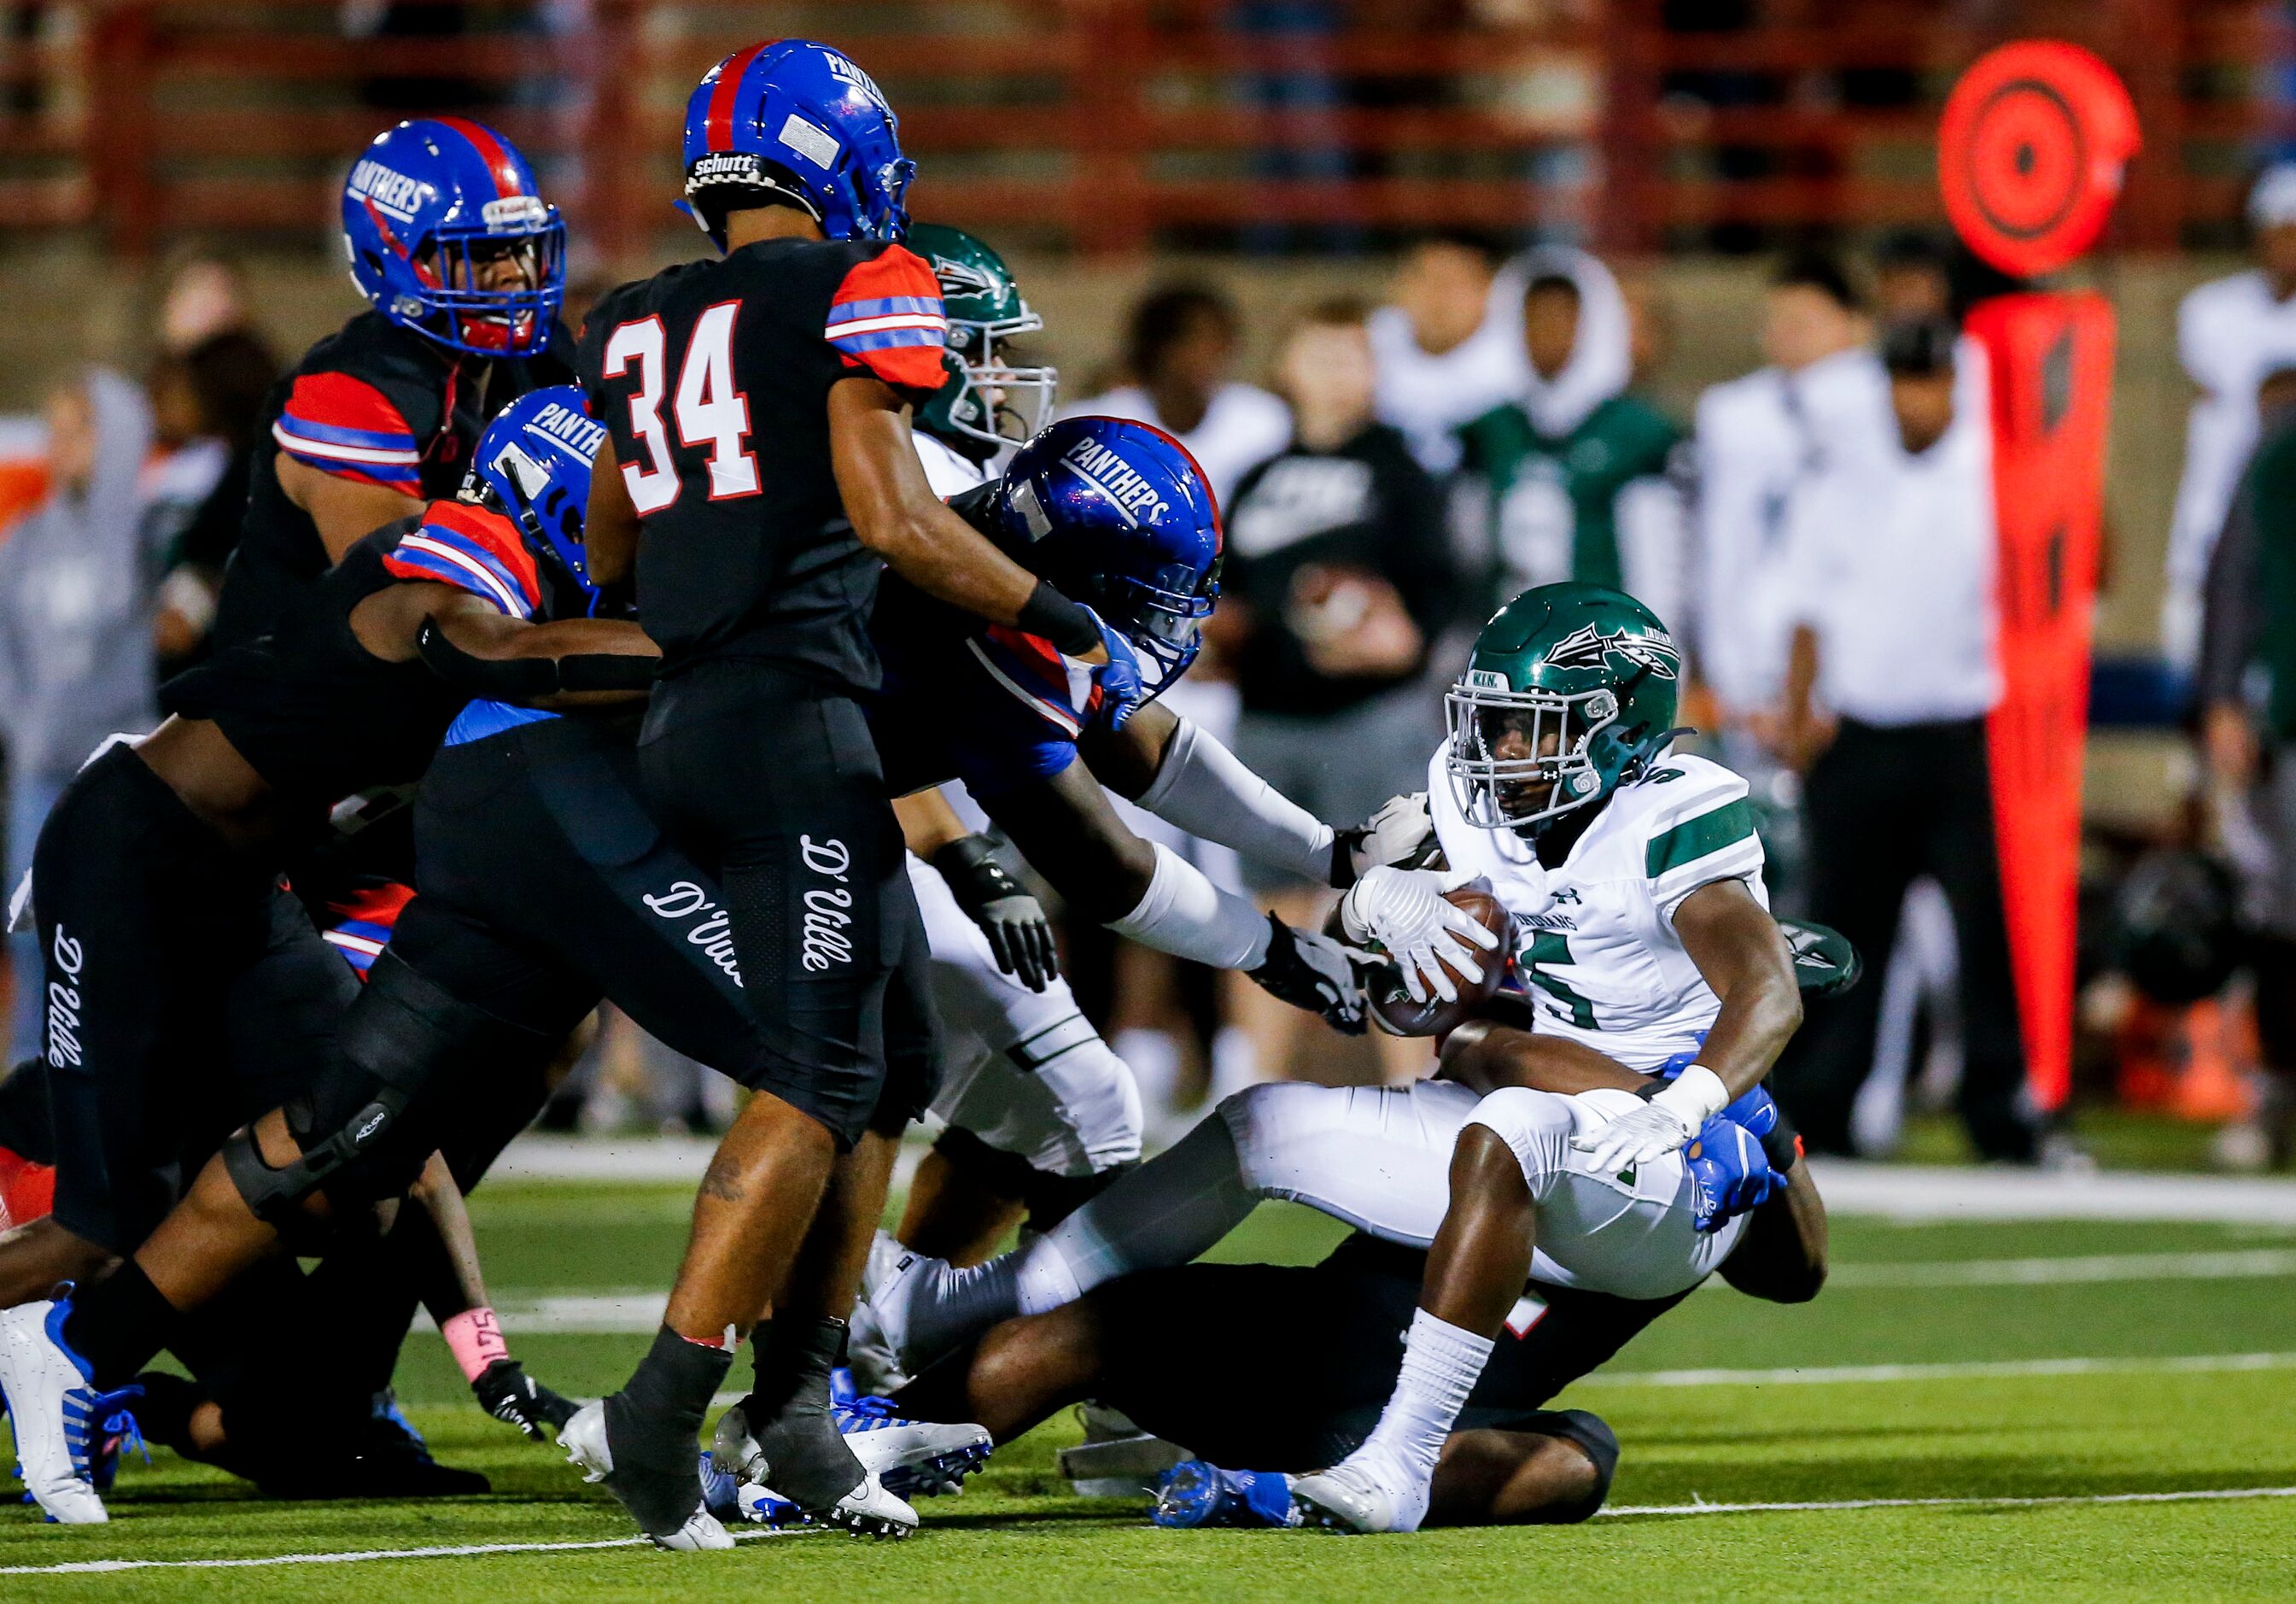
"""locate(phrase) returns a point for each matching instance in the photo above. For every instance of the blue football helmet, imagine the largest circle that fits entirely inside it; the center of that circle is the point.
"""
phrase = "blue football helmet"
(533, 465)
(1117, 515)
(432, 207)
(801, 122)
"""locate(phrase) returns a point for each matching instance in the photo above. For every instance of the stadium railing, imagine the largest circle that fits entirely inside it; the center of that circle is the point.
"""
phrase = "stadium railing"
(1112, 125)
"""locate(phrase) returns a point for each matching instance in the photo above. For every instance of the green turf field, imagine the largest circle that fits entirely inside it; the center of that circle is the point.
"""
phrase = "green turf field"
(1953, 1335)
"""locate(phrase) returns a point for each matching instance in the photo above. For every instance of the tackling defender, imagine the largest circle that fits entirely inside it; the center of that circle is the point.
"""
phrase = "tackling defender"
(185, 984)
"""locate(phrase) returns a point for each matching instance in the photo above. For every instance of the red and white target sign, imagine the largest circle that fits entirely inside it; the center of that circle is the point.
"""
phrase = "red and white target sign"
(2030, 152)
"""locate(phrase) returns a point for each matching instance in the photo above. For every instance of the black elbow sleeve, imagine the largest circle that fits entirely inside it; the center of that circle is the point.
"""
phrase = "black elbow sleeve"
(499, 679)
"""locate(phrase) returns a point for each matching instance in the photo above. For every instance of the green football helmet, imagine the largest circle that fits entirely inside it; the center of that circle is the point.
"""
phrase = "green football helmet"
(987, 404)
(1569, 694)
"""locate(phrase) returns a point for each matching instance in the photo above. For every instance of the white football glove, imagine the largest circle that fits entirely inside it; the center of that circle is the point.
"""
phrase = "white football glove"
(1403, 910)
(1662, 1125)
(1400, 832)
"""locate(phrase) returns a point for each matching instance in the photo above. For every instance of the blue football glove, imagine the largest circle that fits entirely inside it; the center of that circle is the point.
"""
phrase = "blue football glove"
(1729, 1176)
(1757, 1111)
(1122, 692)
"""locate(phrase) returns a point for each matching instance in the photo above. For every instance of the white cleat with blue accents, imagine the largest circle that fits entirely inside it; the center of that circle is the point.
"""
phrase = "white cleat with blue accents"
(55, 1409)
(1369, 1490)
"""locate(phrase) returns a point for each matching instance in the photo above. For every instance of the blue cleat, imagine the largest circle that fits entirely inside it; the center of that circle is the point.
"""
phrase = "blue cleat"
(731, 1499)
(1194, 1494)
(117, 1432)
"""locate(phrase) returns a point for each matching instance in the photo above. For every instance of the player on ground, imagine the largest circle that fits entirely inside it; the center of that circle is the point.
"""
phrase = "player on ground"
(184, 984)
(463, 265)
(762, 469)
(1640, 933)
(1508, 1460)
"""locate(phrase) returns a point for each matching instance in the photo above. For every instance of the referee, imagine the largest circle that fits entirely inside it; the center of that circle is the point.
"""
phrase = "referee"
(1891, 675)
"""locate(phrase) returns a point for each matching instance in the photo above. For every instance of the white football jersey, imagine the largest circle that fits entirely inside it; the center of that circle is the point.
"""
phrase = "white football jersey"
(1596, 946)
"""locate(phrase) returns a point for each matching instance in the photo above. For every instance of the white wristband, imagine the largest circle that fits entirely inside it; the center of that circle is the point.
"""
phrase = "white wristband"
(1696, 1095)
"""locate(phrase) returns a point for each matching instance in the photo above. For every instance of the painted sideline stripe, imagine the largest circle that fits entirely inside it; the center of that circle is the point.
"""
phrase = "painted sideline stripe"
(355, 1556)
(2229, 1265)
(2196, 1496)
(1821, 1374)
(1849, 1185)
(622, 1311)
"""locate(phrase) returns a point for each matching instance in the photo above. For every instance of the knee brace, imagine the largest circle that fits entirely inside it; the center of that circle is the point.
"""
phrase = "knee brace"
(1537, 1128)
(348, 1126)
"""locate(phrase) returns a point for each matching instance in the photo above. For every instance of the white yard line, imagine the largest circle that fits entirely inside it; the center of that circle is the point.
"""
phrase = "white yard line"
(355, 1557)
(1891, 1191)
(616, 1312)
(444, 1551)
(2196, 1496)
(1982, 1369)
(2235, 1264)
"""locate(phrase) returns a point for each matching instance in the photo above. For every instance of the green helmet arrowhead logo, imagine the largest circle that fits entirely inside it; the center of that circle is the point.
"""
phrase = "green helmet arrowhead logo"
(1590, 649)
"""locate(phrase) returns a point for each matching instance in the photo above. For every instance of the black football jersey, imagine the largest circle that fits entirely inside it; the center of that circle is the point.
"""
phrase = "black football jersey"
(313, 711)
(375, 403)
(714, 377)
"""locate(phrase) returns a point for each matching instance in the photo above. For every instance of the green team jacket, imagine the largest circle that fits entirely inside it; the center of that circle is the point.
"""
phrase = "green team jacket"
(1553, 499)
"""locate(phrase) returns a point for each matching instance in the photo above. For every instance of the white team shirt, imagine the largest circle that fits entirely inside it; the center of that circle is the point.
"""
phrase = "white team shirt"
(1595, 944)
(948, 471)
(1758, 437)
(1243, 427)
(2230, 334)
(1427, 396)
(1891, 563)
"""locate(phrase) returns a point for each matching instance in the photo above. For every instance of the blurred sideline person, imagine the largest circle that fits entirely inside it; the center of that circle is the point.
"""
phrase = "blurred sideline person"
(2247, 690)
(2230, 333)
(1568, 480)
(1339, 574)
(75, 631)
(1447, 346)
(1179, 356)
(1890, 678)
(1822, 392)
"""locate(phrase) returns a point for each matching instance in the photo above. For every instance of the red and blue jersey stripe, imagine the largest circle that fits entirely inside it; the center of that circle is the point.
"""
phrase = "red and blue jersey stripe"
(363, 923)
(887, 318)
(347, 427)
(474, 550)
(1059, 691)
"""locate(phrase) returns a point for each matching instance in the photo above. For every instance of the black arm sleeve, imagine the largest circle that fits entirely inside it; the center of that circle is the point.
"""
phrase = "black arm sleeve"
(528, 678)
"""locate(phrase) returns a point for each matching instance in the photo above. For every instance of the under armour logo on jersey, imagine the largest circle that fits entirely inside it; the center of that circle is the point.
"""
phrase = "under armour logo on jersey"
(1590, 649)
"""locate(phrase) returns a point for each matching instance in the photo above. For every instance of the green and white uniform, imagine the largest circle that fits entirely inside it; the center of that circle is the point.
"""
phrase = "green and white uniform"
(1596, 945)
(1572, 481)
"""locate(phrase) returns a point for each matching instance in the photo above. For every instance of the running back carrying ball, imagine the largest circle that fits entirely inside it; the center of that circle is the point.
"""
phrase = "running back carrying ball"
(1388, 999)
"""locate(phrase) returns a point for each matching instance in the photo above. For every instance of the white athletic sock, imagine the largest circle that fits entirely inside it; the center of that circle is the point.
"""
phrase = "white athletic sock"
(1167, 1211)
(1440, 1365)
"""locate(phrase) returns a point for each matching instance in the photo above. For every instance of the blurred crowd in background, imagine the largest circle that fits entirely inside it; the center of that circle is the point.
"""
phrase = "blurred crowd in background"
(1818, 533)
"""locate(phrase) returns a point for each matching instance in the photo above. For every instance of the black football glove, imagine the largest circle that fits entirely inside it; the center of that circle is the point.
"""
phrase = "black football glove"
(1311, 972)
(1019, 933)
(506, 1392)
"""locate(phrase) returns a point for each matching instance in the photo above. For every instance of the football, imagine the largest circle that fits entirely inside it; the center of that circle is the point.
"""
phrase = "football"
(1388, 1000)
